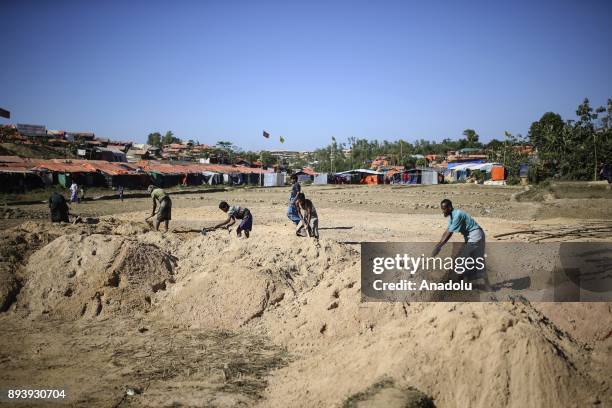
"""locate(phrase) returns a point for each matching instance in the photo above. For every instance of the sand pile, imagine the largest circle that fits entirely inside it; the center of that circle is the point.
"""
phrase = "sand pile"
(477, 355)
(98, 275)
(16, 245)
(436, 347)
(227, 283)
(305, 296)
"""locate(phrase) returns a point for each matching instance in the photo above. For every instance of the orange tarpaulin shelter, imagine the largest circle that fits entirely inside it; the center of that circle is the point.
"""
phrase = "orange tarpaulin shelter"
(498, 173)
(371, 179)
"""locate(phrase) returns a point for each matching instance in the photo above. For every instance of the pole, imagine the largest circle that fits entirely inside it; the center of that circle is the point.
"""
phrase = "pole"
(331, 155)
(595, 148)
(261, 169)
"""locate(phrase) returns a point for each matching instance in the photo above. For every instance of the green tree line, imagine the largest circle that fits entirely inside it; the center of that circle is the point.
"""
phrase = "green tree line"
(572, 149)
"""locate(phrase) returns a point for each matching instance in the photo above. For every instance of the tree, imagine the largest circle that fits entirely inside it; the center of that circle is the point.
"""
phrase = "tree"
(226, 150)
(471, 137)
(544, 133)
(494, 144)
(267, 159)
(169, 138)
(409, 162)
(509, 154)
(572, 150)
(421, 163)
(154, 139)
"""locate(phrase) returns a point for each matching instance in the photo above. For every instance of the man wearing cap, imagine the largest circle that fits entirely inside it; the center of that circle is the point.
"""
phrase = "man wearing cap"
(164, 213)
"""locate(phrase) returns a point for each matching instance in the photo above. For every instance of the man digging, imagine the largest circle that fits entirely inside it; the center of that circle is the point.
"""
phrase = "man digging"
(233, 213)
(308, 217)
(473, 235)
(164, 213)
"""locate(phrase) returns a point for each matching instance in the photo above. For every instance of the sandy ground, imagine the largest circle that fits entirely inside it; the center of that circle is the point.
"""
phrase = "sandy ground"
(183, 319)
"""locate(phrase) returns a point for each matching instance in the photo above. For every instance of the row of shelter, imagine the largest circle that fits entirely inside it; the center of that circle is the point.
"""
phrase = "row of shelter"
(424, 176)
(490, 173)
(21, 174)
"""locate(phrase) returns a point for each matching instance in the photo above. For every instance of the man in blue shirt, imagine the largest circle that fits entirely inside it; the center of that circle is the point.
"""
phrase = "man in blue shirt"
(473, 235)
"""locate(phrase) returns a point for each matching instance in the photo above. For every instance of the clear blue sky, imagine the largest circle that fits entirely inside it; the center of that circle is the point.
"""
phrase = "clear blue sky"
(226, 70)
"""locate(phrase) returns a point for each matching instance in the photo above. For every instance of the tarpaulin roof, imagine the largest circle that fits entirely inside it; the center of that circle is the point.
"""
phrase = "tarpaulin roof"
(454, 164)
(422, 169)
(360, 171)
(117, 168)
(476, 166)
(197, 168)
(309, 171)
(111, 168)
(65, 167)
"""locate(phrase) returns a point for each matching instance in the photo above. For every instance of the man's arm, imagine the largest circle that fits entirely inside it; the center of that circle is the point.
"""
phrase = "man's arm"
(300, 210)
(445, 237)
(307, 215)
(154, 208)
(227, 223)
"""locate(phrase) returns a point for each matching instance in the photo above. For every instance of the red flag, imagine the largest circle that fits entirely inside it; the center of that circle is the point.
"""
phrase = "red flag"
(266, 135)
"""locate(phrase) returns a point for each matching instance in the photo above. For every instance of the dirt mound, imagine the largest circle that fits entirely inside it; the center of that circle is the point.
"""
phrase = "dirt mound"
(578, 320)
(97, 275)
(477, 355)
(306, 296)
(16, 245)
(514, 348)
(227, 283)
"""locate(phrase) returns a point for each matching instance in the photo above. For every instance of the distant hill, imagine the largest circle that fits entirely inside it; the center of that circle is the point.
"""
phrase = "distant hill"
(35, 151)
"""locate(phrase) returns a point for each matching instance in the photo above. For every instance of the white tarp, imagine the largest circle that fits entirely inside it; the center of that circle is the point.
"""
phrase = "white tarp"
(475, 166)
(320, 178)
(360, 171)
(429, 177)
(274, 180)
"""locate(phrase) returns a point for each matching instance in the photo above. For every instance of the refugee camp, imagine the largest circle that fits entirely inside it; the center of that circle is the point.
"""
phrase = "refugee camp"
(306, 204)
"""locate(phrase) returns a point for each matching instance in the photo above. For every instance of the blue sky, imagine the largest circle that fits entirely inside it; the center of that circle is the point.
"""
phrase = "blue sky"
(226, 70)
